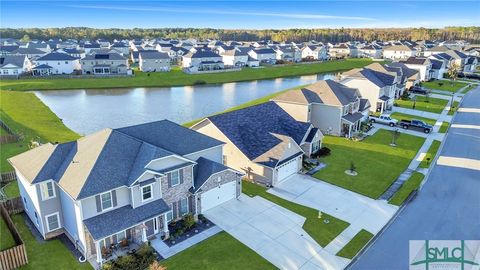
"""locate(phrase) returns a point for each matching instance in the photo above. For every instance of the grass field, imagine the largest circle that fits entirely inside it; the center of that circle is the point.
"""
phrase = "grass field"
(355, 245)
(218, 252)
(434, 105)
(11, 190)
(444, 127)
(449, 86)
(179, 78)
(50, 254)
(6, 239)
(320, 231)
(404, 116)
(432, 151)
(25, 114)
(378, 164)
(470, 88)
(408, 187)
(454, 108)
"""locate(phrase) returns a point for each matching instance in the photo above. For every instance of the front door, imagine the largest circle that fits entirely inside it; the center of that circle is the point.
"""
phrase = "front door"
(155, 226)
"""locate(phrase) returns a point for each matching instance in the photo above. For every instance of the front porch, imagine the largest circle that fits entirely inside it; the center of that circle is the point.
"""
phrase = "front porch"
(351, 124)
(384, 103)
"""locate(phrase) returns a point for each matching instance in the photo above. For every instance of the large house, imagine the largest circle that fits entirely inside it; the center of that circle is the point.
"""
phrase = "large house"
(313, 52)
(201, 59)
(153, 61)
(330, 106)
(288, 53)
(376, 83)
(263, 141)
(263, 55)
(14, 65)
(398, 52)
(371, 51)
(422, 64)
(234, 58)
(61, 63)
(127, 183)
(104, 63)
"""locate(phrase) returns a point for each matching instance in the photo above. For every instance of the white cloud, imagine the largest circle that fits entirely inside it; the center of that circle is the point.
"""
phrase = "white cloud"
(226, 12)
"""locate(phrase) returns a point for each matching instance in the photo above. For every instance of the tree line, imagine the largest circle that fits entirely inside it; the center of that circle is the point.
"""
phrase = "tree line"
(470, 34)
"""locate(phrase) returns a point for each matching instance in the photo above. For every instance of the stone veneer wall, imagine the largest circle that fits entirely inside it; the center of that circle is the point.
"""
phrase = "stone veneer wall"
(225, 177)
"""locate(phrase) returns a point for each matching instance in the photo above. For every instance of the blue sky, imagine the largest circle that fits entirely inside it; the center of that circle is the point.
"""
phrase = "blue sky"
(239, 15)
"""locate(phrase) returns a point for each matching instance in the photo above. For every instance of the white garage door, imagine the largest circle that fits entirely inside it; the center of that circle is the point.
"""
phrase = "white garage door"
(218, 195)
(286, 169)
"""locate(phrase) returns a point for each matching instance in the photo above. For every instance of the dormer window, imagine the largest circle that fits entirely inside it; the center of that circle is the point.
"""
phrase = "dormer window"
(106, 199)
(146, 193)
(47, 190)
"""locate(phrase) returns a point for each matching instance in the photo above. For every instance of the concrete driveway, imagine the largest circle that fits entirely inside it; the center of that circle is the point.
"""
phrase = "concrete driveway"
(273, 232)
(360, 211)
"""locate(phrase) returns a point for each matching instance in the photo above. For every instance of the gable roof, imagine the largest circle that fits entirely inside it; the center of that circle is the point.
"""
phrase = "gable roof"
(326, 92)
(416, 61)
(56, 56)
(201, 54)
(153, 55)
(16, 60)
(398, 48)
(258, 129)
(104, 56)
(108, 159)
(204, 169)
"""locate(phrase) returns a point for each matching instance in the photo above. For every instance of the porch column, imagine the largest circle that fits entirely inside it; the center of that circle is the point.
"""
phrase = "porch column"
(350, 131)
(99, 253)
(165, 226)
(144, 234)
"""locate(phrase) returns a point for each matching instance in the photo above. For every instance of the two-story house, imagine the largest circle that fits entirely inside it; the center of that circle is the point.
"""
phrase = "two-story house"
(61, 63)
(398, 52)
(125, 183)
(104, 63)
(313, 52)
(330, 106)
(234, 58)
(288, 53)
(14, 65)
(263, 141)
(264, 55)
(375, 83)
(422, 64)
(202, 59)
(153, 61)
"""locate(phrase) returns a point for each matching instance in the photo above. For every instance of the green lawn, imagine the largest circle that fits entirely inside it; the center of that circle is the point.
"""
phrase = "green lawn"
(322, 232)
(469, 88)
(218, 252)
(355, 245)
(431, 153)
(403, 116)
(378, 164)
(6, 239)
(450, 86)
(25, 114)
(178, 78)
(444, 127)
(3, 132)
(410, 185)
(434, 105)
(50, 254)
(454, 108)
(11, 190)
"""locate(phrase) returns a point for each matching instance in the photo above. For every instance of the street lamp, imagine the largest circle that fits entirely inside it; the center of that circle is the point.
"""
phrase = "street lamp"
(414, 102)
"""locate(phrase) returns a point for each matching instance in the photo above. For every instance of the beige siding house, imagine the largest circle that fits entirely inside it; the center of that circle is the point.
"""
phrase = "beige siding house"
(153, 61)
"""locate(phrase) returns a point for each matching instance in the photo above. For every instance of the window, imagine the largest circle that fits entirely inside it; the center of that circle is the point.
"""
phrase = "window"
(25, 204)
(146, 193)
(174, 178)
(53, 222)
(224, 160)
(121, 235)
(183, 206)
(106, 199)
(169, 216)
(36, 218)
(47, 190)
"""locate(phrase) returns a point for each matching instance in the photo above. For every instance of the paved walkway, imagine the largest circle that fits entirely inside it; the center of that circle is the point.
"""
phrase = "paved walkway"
(273, 232)
(360, 211)
(342, 239)
(167, 251)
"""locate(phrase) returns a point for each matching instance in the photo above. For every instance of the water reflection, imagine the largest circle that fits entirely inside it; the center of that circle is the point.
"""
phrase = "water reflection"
(87, 111)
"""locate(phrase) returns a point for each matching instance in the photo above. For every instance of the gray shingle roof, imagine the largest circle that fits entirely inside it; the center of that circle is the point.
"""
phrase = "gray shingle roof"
(104, 56)
(16, 60)
(153, 55)
(123, 218)
(253, 129)
(416, 61)
(28, 51)
(201, 54)
(56, 56)
(352, 118)
(204, 169)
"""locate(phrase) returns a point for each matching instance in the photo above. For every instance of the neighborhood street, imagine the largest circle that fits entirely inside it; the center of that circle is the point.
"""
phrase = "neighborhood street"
(448, 205)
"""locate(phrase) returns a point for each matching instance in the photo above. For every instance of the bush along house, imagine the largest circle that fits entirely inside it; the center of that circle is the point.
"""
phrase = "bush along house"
(122, 186)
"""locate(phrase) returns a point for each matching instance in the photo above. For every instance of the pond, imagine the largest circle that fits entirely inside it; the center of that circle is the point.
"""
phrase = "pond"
(87, 111)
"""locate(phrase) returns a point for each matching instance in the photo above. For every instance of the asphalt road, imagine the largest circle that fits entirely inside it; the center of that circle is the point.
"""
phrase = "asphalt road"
(446, 208)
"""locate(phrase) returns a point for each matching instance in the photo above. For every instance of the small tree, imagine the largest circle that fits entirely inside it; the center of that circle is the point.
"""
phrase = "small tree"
(395, 135)
(25, 38)
(453, 71)
(352, 167)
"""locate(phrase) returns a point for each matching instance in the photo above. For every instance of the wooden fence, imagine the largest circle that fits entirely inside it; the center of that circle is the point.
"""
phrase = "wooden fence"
(7, 177)
(11, 136)
(16, 256)
(13, 206)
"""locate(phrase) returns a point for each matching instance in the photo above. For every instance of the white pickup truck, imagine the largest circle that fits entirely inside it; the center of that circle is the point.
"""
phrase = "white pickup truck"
(384, 119)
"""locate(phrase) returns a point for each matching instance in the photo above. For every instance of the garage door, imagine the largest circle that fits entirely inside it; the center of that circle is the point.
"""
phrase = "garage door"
(218, 195)
(286, 169)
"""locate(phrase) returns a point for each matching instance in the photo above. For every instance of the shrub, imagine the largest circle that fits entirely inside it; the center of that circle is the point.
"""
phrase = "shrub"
(198, 82)
(202, 218)
(189, 221)
(405, 95)
(155, 265)
(323, 152)
(139, 261)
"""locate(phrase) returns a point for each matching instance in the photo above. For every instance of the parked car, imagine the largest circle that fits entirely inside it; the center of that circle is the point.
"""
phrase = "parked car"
(419, 90)
(416, 124)
(384, 119)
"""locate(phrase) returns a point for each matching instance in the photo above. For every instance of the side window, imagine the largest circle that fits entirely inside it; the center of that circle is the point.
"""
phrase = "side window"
(106, 199)
(175, 178)
(53, 222)
(47, 190)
